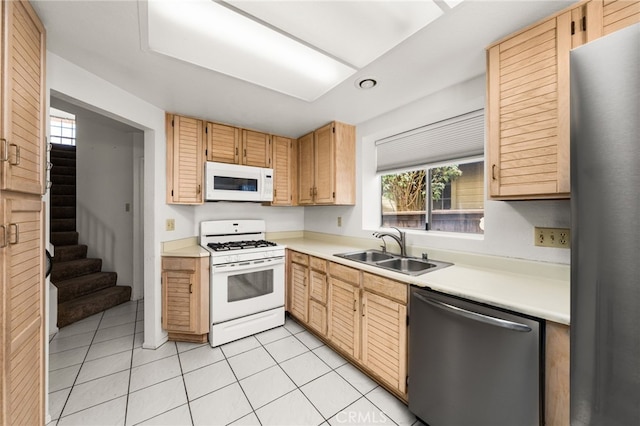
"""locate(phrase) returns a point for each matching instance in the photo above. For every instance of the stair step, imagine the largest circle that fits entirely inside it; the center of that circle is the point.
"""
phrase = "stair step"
(62, 170)
(63, 161)
(85, 284)
(83, 307)
(62, 212)
(62, 225)
(62, 179)
(66, 253)
(66, 238)
(61, 189)
(74, 268)
(63, 200)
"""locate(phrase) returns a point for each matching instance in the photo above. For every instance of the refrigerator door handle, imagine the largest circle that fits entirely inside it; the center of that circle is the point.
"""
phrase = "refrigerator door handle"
(476, 316)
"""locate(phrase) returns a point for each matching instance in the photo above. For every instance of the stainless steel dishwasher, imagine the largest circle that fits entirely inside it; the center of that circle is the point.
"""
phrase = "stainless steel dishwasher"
(470, 364)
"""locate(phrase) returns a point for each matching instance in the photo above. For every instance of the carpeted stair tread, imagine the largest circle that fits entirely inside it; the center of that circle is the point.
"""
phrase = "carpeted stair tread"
(62, 179)
(85, 284)
(61, 271)
(83, 307)
(61, 225)
(63, 212)
(71, 252)
(60, 189)
(63, 200)
(66, 238)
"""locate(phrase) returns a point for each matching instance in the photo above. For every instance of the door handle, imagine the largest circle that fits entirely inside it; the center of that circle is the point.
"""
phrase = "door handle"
(493, 172)
(17, 158)
(3, 234)
(474, 315)
(16, 234)
(5, 150)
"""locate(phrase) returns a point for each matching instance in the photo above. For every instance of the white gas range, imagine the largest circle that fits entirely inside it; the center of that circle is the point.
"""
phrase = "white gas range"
(247, 279)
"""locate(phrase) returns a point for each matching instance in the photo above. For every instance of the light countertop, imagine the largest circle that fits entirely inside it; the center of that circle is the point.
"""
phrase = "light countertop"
(529, 293)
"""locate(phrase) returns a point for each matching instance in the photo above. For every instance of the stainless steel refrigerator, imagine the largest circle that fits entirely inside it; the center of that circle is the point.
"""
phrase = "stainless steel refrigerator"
(605, 221)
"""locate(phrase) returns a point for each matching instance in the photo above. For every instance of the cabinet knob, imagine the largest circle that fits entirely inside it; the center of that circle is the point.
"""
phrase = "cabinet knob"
(190, 288)
(16, 161)
(16, 234)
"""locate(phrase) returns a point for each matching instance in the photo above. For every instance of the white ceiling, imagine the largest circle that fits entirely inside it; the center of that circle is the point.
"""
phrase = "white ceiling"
(103, 37)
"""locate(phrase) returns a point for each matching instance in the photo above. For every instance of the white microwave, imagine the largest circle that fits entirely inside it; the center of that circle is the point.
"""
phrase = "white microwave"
(234, 182)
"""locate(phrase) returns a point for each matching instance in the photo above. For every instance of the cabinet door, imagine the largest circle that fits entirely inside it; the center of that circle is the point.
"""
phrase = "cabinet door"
(284, 182)
(256, 149)
(179, 286)
(324, 165)
(318, 317)
(384, 339)
(318, 284)
(185, 165)
(22, 147)
(299, 291)
(344, 316)
(528, 117)
(22, 306)
(223, 143)
(305, 169)
(620, 14)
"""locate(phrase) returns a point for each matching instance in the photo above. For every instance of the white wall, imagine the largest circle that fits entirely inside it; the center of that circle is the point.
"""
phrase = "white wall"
(508, 225)
(104, 184)
(277, 218)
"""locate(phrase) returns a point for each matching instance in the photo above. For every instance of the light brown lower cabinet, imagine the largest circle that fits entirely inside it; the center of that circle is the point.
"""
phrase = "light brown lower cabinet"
(557, 375)
(298, 289)
(185, 298)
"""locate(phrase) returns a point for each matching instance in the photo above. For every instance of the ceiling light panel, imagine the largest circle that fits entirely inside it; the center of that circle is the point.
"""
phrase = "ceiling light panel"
(209, 35)
(357, 32)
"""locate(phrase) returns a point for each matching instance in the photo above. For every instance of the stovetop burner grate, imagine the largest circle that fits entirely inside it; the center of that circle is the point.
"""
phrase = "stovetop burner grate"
(240, 245)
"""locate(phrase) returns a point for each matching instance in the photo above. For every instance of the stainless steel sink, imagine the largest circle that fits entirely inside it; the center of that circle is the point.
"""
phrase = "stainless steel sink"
(403, 264)
(367, 256)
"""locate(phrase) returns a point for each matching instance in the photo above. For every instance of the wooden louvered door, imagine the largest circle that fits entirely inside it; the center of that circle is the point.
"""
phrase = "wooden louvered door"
(619, 14)
(223, 143)
(22, 309)
(185, 165)
(256, 149)
(344, 316)
(324, 166)
(283, 170)
(318, 295)
(305, 169)
(299, 291)
(384, 339)
(22, 148)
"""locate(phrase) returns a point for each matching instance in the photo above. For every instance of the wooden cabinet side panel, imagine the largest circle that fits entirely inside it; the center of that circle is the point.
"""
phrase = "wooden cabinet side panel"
(23, 99)
(23, 310)
(223, 143)
(557, 375)
(324, 165)
(305, 169)
(344, 317)
(202, 320)
(384, 339)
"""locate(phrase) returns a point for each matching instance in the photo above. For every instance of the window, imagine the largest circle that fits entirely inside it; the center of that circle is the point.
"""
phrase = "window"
(62, 128)
(432, 177)
(455, 192)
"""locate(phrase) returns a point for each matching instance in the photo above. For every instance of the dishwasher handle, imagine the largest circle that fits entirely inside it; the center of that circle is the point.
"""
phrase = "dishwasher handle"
(475, 316)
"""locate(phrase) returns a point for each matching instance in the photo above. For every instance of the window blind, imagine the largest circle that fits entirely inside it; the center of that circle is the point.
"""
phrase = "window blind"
(456, 137)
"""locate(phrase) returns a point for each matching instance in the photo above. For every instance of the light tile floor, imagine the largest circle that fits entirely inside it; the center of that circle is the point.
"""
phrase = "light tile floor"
(100, 375)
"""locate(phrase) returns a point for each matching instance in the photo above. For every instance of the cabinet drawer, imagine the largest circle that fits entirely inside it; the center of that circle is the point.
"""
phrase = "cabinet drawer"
(318, 264)
(344, 273)
(385, 287)
(179, 263)
(300, 258)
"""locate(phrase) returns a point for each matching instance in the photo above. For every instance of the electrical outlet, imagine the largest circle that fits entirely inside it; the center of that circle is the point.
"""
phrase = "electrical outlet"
(171, 224)
(339, 221)
(552, 237)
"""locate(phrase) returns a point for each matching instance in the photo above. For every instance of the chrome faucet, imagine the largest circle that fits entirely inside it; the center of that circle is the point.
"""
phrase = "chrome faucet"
(400, 239)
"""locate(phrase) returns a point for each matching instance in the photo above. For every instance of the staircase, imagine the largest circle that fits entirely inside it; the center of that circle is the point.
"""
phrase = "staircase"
(83, 289)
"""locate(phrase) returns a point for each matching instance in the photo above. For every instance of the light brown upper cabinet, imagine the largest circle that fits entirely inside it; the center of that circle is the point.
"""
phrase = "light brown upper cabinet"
(228, 144)
(528, 99)
(185, 161)
(22, 128)
(326, 166)
(284, 161)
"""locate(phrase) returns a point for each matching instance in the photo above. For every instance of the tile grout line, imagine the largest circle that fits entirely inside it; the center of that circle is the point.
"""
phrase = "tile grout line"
(133, 348)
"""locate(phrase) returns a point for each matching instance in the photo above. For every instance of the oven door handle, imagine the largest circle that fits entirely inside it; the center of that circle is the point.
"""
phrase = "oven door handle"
(250, 264)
